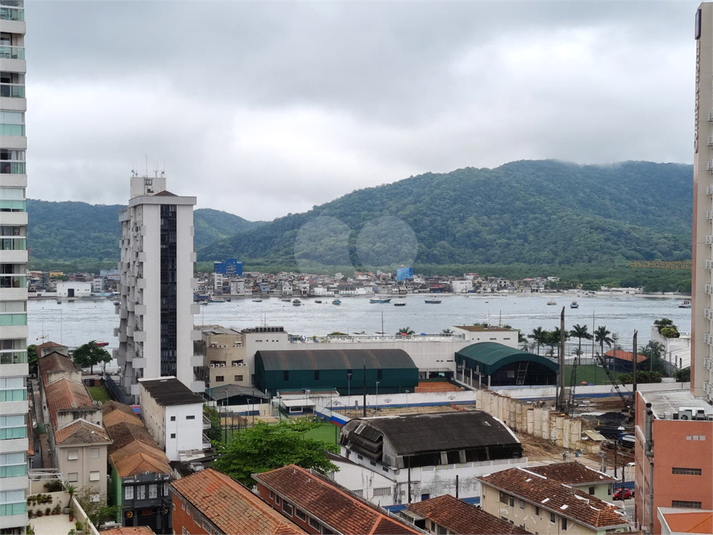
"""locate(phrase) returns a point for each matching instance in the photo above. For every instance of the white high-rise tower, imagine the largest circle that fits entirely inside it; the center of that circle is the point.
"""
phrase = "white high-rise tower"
(156, 308)
(13, 270)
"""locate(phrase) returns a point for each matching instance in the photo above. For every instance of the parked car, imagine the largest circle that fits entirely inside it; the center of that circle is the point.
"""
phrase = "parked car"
(623, 494)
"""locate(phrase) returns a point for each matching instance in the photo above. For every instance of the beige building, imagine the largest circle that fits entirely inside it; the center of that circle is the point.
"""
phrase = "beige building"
(579, 476)
(229, 354)
(77, 438)
(544, 506)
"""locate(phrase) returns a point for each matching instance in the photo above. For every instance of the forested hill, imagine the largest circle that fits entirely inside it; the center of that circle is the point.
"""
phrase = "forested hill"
(526, 212)
(67, 231)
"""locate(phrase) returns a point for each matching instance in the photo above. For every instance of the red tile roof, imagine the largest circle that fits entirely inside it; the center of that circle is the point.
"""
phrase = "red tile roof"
(463, 518)
(128, 530)
(329, 503)
(55, 362)
(572, 473)
(625, 355)
(231, 507)
(81, 432)
(556, 497)
(66, 394)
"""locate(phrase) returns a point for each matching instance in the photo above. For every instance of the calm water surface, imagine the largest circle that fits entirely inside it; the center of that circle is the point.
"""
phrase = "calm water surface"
(77, 322)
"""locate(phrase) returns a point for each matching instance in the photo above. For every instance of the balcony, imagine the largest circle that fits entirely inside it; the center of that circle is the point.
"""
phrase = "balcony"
(12, 13)
(12, 52)
(12, 90)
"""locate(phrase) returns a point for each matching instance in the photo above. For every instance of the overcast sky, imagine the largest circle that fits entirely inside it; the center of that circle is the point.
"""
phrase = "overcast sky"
(265, 108)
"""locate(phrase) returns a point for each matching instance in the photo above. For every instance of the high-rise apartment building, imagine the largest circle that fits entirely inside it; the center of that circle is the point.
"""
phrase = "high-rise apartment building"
(156, 306)
(702, 283)
(13, 270)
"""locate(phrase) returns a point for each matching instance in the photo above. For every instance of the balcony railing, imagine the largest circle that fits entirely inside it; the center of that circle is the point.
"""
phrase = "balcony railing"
(12, 90)
(13, 244)
(13, 281)
(12, 320)
(12, 13)
(7, 129)
(13, 357)
(10, 167)
(12, 52)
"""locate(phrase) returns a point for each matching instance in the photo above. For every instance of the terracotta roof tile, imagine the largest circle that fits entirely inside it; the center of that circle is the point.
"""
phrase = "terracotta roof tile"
(138, 463)
(556, 497)
(572, 473)
(329, 503)
(124, 433)
(55, 362)
(463, 518)
(689, 521)
(66, 394)
(231, 507)
(128, 530)
(81, 432)
(625, 355)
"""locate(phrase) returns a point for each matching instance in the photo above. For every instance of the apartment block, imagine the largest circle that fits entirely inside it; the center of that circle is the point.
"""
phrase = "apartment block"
(156, 306)
(13, 270)
(674, 455)
(542, 505)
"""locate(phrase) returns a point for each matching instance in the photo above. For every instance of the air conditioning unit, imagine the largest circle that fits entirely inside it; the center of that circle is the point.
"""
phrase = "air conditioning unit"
(691, 413)
(212, 365)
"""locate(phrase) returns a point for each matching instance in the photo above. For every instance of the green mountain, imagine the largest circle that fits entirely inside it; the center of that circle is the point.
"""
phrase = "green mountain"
(71, 231)
(525, 212)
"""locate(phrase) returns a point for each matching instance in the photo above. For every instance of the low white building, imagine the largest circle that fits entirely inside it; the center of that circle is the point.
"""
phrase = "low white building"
(173, 414)
(462, 286)
(74, 289)
(427, 455)
(488, 333)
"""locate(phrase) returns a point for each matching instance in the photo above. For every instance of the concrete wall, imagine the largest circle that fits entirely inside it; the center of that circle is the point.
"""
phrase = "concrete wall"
(542, 423)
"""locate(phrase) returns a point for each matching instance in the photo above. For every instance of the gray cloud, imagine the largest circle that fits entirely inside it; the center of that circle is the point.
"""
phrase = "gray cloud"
(265, 108)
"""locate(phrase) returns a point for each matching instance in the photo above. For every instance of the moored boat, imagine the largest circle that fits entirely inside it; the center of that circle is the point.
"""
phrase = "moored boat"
(686, 303)
(433, 301)
(380, 301)
(574, 304)
(337, 302)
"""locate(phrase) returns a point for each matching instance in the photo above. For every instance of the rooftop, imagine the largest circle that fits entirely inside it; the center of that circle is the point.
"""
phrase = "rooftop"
(230, 506)
(686, 521)
(442, 431)
(169, 391)
(461, 518)
(556, 497)
(329, 503)
(571, 473)
(128, 530)
(55, 362)
(335, 359)
(65, 394)
(482, 328)
(625, 355)
(81, 432)
(668, 402)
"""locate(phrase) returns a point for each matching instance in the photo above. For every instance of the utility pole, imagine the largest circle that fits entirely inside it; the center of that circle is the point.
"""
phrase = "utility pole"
(364, 407)
(562, 382)
(633, 369)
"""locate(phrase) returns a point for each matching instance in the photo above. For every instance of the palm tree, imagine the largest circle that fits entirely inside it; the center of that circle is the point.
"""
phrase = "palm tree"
(447, 332)
(539, 335)
(522, 340)
(405, 331)
(662, 323)
(601, 336)
(580, 331)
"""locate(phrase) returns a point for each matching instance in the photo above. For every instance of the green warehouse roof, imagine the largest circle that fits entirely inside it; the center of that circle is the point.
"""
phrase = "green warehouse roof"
(330, 359)
(491, 356)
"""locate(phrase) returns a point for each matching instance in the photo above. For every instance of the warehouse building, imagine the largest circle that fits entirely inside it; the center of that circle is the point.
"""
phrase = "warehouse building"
(492, 364)
(349, 371)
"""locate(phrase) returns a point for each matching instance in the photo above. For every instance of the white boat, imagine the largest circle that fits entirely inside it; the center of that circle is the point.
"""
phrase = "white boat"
(686, 303)
(296, 303)
(574, 304)
(433, 301)
(551, 302)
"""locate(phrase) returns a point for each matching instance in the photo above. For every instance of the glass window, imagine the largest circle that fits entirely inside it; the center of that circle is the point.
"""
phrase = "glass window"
(553, 518)
(153, 491)
(94, 475)
(12, 427)
(141, 492)
(12, 502)
(72, 455)
(129, 492)
(73, 477)
(13, 465)
(93, 453)
(191, 417)
(287, 508)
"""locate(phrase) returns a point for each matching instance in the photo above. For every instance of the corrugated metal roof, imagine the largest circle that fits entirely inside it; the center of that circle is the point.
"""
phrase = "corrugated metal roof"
(491, 356)
(331, 359)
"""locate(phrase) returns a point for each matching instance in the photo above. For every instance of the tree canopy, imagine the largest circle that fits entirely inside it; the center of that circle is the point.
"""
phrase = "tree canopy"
(90, 354)
(265, 447)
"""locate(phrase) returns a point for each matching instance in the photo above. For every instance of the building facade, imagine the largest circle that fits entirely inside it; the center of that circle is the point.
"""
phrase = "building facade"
(702, 268)
(156, 299)
(673, 455)
(13, 264)
(174, 417)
